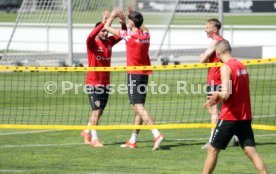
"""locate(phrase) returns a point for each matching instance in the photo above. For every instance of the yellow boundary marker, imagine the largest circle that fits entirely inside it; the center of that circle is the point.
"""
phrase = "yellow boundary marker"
(124, 127)
(129, 68)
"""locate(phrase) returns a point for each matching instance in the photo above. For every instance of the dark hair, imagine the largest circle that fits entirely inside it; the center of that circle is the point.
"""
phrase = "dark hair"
(97, 24)
(216, 22)
(136, 17)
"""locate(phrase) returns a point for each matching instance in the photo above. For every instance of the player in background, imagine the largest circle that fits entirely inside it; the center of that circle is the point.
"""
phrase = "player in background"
(137, 47)
(235, 117)
(212, 29)
(99, 52)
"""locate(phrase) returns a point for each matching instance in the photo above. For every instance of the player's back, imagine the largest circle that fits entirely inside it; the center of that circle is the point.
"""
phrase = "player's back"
(238, 106)
(137, 47)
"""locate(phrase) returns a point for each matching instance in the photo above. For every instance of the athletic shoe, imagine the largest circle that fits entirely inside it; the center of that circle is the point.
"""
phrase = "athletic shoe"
(86, 136)
(205, 146)
(96, 143)
(235, 143)
(157, 141)
(129, 144)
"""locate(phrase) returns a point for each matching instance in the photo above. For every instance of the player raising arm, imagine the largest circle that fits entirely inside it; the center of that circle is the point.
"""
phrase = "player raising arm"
(137, 47)
(99, 52)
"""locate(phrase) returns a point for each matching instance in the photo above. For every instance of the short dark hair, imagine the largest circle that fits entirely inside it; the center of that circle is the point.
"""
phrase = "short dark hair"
(216, 22)
(98, 23)
(136, 17)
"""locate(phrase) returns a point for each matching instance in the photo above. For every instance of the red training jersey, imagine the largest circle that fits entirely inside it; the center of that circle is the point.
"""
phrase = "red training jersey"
(99, 55)
(137, 49)
(214, 72)
(237, 106)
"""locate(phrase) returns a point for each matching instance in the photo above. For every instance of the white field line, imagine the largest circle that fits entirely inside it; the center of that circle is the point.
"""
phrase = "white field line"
(40, 145)
(12, 171)
(264, 116)
(27, 132)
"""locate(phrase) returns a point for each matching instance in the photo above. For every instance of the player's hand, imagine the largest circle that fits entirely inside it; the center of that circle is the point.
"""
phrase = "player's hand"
(115, 12)
(213, 99)
(105, 16)
(122, 17)
(129, 9)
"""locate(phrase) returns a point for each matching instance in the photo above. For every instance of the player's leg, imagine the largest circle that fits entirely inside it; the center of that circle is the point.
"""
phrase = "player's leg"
(214, 112)
(131, 143)
(137, 96)
(246, 136)
(94, 120)
(139, 107)
(141, 111)
(98, 97)
(211, 160)
(147, 119)
(256, 159)
(220, 139)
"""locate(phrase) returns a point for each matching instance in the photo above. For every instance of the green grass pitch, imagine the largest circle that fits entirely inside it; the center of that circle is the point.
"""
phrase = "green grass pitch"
(63, 152)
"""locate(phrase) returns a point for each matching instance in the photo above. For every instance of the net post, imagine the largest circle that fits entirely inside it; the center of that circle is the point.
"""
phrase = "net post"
(70, 34)
(221, 17)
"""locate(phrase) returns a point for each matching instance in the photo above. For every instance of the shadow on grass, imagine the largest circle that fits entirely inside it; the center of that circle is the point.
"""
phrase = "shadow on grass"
(166, 145)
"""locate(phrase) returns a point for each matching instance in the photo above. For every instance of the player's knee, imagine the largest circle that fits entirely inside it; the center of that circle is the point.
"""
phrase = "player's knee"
(213, 151)
(97, 113)
(138, 108)
(249, 151)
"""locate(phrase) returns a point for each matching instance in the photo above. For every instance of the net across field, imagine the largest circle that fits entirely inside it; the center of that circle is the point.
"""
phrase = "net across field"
(174, 96)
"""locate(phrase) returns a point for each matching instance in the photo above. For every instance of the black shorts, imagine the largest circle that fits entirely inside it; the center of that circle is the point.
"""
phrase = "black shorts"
(226, 129)
(98, 96)
(212, 88)
(137, 88)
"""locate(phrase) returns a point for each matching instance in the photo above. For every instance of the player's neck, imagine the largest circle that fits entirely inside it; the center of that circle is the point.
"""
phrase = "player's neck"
(134, 29)
(215, 36)
(225, 58)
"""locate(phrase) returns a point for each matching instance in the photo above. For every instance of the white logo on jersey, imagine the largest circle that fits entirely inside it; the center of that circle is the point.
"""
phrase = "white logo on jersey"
(142, 41)
(102, 58)
(241, 72)
(100, 49)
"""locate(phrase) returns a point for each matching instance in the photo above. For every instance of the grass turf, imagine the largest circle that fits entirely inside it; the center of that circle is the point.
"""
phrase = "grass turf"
(63, 152)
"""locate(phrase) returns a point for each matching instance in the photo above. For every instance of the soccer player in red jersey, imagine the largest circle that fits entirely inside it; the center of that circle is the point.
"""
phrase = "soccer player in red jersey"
(99, 51)
(137, 47)
(235, 117)
(212, 29)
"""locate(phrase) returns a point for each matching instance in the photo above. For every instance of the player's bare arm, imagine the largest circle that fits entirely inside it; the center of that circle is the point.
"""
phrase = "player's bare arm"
(105, 16)
(204, 57)
(225, 88)
(107, 26)
(122, 17)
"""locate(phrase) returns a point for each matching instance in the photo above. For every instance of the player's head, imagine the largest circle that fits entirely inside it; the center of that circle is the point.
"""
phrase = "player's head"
(103, 34)
(223, 48)
(135, 19)
(212, 27)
